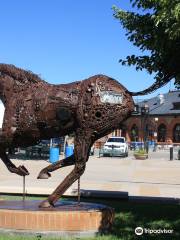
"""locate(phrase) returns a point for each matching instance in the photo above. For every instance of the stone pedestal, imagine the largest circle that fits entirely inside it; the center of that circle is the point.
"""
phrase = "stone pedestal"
(67, 218)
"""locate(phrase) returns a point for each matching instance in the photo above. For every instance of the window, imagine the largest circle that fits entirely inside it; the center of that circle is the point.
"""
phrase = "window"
(176, 133)
(117, 140)
(161, 133)
(176, 106)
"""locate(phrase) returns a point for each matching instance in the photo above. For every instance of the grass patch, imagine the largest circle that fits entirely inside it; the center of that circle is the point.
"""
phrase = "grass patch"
(128, 216)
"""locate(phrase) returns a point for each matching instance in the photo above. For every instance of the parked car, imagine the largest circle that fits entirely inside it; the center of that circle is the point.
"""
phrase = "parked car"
(116, 146)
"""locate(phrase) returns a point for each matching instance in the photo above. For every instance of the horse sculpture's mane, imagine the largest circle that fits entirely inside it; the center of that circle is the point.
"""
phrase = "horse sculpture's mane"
(19, 74)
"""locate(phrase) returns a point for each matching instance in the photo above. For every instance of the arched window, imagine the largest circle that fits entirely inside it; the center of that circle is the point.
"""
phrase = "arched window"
(134, 133)
(161, 133)
(176, 133)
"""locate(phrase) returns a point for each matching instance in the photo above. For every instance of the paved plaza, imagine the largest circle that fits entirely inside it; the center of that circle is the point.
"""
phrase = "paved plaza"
(154, 177)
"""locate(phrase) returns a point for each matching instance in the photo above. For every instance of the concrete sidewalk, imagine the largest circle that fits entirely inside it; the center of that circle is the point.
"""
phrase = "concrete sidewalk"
(154, 177)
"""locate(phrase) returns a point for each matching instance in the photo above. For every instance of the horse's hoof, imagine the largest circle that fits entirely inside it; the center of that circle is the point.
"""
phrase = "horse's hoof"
(21, 170)
(44, 175)
(45, 204)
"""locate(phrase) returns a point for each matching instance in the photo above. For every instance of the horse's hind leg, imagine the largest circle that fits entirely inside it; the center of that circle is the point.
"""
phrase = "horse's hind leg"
(81, 153)
(45, 172)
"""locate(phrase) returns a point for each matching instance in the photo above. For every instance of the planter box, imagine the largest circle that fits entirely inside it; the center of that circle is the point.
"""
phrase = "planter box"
(141, 156)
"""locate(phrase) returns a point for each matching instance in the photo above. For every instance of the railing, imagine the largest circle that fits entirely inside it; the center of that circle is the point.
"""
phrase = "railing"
(37, 151)
(153, 145)
(166, 146)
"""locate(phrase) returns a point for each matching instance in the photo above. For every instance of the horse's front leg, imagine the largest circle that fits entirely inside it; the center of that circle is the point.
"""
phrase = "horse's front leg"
(81, 152)
(45, 172)
(21, 170)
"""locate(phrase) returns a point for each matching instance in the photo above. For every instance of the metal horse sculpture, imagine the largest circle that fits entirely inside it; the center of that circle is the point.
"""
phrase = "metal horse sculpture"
(35, 110)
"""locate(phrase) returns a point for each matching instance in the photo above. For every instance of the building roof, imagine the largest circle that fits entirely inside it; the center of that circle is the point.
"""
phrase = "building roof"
(163, 104)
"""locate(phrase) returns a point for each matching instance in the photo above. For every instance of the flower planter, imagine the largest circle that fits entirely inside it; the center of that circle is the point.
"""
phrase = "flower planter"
(141, 156)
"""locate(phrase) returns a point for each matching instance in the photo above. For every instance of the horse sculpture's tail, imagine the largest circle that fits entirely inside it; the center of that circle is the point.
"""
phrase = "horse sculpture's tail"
(152, 88)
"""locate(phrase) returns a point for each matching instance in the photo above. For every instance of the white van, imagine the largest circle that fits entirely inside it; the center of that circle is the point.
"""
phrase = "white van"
(115, 146)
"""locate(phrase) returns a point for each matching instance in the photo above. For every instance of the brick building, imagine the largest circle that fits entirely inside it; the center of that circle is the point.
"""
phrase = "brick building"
(154, 119)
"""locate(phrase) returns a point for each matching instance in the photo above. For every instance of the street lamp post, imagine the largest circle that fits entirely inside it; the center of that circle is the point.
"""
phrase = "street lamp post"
(144, 116)
(155, 134)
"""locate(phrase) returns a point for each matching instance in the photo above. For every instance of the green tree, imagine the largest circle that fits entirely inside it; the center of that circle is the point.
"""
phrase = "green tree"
(155, 29)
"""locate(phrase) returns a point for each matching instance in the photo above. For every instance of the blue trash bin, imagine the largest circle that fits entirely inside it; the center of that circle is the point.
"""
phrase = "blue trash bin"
(54, 155)
(69, 151)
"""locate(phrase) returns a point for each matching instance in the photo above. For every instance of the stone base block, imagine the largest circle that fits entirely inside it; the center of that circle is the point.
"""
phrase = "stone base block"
(67, 218)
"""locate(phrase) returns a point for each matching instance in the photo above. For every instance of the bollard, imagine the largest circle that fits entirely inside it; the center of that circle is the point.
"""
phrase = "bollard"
(171, 153)
(146, 147)
(178, 154)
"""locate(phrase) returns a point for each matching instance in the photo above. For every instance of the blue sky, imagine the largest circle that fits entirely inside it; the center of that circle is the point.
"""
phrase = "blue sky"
(68, 40)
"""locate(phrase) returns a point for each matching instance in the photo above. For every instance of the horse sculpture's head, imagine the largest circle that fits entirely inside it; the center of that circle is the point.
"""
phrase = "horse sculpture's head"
(12, 77)
(4, 83)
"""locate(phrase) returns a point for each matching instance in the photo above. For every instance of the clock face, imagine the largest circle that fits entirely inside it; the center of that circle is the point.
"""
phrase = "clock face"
(111, 97)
